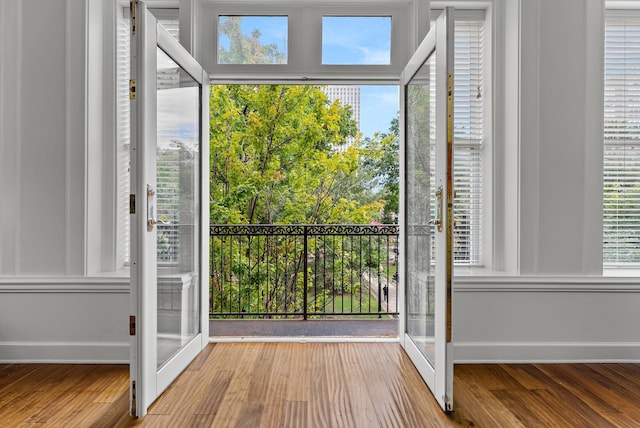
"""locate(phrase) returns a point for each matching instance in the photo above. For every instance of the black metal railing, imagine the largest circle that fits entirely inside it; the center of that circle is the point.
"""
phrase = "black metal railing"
(293, 271)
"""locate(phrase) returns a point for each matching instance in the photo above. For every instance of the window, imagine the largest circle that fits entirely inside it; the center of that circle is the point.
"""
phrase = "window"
(292, 40)
(252, 39)
(469, 136)
(351, 40)
(621, 225)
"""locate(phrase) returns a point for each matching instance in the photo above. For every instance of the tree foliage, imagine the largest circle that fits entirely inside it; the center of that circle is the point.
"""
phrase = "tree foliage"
(272, 159)
(381, 166)
(273, 162)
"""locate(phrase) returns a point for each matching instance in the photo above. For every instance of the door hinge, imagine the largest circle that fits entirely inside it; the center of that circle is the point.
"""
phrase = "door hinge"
(132, 204)
(132, 89)
(133, 399)
(132, 325)
(133, 5)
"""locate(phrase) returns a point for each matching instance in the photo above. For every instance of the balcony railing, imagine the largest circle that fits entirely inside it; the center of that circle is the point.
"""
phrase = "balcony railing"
(303, 271)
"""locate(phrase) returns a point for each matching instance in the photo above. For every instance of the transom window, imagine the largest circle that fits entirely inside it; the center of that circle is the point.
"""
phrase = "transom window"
(253, 39)
(326, 41)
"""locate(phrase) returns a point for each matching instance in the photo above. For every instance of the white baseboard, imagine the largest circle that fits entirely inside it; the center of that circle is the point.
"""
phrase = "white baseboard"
(64, 352)
(546, 352)
(464, 353)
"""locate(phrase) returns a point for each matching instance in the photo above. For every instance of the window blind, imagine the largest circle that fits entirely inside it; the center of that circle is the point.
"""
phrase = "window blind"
(621, 210)
(169, 19)
(123, 140)
(468, 134)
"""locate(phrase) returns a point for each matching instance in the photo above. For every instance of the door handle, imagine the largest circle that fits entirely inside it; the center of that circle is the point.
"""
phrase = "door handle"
(151, 208)
(438, 220)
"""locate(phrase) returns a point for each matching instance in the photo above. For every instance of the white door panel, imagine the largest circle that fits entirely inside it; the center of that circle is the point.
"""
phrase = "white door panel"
(427, 168)
(169, 255)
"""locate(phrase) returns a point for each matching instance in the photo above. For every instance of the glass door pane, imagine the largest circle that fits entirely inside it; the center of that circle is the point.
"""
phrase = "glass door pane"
(178, 206)
(421, 205)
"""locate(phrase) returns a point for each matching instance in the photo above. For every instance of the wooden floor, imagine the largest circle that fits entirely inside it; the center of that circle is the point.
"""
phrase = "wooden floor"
(323, 385)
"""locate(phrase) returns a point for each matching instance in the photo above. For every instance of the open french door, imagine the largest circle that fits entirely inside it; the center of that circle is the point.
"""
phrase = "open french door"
(427, 170)
(169, 219)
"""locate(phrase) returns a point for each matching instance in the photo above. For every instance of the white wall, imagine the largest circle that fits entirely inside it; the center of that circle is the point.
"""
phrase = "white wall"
(561, 128)
(64, 320)
(59, 301)
(43, 131)
(550, 302)
(56, 143)
(546, 319)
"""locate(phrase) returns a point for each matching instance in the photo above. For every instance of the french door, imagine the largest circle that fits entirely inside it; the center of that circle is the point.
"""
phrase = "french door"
(169, 219)
(427, 162)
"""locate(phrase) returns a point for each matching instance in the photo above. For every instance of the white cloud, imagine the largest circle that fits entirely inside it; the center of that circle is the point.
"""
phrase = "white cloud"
(178, 115)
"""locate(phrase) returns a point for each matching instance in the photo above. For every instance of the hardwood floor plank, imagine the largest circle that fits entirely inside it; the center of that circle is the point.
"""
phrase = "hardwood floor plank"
(572, 378)
(297, 356)
(517, 404)
(88, 385)
(323, 384)
(261, 374)
(113, 390)
(475, 406)
(238, 390)
(495, 378)
(337, 379)
(250, 415)
(526, 376)
(281, 376)
(296, 414)
(181, 398)
(619, 383)
(360, 380)
(58, 381)
(111, 414)
(319, 410)
(571, 398)
(425, 407)
(211, 400)
(11, 375)
(562, 415)
(201, 359)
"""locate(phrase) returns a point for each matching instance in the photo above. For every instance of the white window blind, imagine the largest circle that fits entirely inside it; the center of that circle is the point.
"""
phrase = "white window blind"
(469, 136)
(621, 219)
(169, 19)
(123, 140)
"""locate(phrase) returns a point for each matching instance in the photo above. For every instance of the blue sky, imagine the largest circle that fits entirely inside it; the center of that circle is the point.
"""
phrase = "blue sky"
(356, 40)
(378, 106)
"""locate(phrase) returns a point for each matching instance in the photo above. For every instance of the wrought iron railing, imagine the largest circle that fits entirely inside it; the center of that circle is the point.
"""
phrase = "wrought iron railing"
(302, 271)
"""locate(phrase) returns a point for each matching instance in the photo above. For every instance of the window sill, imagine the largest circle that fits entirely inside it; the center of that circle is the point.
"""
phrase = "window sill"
(469, 271)
(626, 272)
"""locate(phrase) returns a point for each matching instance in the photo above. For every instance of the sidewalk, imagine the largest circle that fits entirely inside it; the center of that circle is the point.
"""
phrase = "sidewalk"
(391, 303)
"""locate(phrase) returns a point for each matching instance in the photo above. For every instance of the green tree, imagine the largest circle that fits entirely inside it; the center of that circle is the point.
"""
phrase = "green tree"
(272, 158)
(381, 169)
(272, 162)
